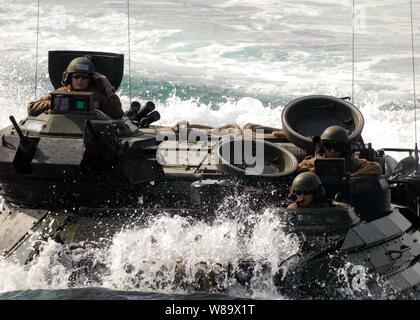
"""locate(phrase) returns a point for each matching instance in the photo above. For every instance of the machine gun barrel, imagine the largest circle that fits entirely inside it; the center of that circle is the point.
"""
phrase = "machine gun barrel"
(398, 149)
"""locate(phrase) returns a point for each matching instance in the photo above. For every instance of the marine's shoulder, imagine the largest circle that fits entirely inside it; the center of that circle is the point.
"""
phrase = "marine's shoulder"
(64, 89)
(309, 158)
(293, 205)
(359, 160)
(98, 92)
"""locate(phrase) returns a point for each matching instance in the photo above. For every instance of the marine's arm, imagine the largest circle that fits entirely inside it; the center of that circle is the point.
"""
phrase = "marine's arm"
(37, 107)
(109, 102)
(111, 106)
(306, 164)
(366, 167)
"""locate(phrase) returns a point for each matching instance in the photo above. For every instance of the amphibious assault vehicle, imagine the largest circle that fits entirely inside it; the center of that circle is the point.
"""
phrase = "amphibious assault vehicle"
(73, 174)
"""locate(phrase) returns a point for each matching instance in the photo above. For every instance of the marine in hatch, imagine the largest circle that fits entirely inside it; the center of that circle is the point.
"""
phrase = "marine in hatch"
(80, 75)
(334, 143)
(308, 192)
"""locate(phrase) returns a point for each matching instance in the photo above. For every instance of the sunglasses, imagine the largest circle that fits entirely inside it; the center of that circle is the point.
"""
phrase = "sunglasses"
(331, 145)
(300, 192)
(78, 76)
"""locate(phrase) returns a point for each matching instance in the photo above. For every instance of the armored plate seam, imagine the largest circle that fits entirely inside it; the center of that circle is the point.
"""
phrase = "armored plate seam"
(415, 250)
(21, 229)
(397, 272)
(402, 280)
(382, 230)
(352, 241)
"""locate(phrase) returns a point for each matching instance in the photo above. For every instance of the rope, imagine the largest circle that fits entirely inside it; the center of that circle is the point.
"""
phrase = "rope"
(129, 49)
(414, 71)
(352, 66)
(36, 53)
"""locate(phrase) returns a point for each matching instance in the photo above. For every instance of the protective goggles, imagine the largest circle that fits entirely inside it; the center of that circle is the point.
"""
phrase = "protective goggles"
(302, 192)
(80, 75)
(332, 145)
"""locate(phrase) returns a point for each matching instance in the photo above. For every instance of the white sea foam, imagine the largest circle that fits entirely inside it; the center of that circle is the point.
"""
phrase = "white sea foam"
(45, 273)
(146, 258)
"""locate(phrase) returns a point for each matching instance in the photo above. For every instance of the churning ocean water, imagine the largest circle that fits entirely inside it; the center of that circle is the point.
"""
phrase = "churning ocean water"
(212, 62)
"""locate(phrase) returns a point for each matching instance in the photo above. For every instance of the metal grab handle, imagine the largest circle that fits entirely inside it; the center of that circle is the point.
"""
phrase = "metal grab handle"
(16, 126)
(398, 253)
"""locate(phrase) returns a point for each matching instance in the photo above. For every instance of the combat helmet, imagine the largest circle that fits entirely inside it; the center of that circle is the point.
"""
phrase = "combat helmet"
(79, 64)
(335, 133)
(306, 181)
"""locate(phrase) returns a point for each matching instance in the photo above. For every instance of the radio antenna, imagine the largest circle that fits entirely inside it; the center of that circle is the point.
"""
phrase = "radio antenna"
(352, 49)
(36, 53)
(416, 156)
(129, 49)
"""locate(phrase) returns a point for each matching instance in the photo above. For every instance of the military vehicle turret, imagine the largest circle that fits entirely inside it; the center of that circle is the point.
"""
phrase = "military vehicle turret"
(73, 174)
